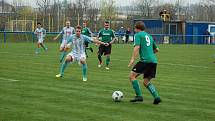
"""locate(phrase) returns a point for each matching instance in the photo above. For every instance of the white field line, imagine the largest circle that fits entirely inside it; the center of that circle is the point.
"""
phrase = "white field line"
(172, 64)
(4, 52)
(11, 80)
(178, 64)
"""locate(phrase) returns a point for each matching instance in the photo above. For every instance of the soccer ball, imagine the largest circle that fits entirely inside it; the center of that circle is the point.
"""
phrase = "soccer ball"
(117, 96)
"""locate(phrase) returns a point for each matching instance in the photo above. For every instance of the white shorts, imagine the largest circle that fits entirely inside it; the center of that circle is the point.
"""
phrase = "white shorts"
(77, 57)
(40, 40)
(63, 43)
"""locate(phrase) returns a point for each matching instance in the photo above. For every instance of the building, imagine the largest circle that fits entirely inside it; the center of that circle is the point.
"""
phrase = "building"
(189, 32)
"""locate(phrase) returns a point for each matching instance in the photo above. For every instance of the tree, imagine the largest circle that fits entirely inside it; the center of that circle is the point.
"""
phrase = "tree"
(43, 8)
(108, 10)
(208, 7)
(145, 7)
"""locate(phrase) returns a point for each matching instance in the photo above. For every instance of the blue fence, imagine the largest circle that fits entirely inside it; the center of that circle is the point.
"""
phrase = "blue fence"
(159, 38)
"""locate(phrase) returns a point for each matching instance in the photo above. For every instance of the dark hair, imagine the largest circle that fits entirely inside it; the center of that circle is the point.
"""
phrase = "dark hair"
(107, 22)
(140, 25)
(38, 23)
(78, 27)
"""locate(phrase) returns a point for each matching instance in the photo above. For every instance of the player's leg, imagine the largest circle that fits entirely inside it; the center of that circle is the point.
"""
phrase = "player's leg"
(68, 59)
(86, 47)
(148, 75)
(38, 48)
(152, 90)
(136, 87)
(107, 54)
(107, 61)
(91, 49)
(84, 67)
(63, 52)
(126, 39)
(100, 53)
(43, 45)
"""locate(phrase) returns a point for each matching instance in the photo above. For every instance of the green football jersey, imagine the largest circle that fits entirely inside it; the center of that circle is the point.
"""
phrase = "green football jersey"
(86, 31)
(147, 46)
(106, 35)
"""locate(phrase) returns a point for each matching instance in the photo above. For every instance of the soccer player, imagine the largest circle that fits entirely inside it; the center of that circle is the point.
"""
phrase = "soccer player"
(146, 47)
(40, 33)
(86, 31)
(106, 35)
(78, 51)
(66, 31)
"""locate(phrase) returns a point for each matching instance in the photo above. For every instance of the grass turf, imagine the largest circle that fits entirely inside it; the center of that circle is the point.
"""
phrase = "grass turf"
(29, 90)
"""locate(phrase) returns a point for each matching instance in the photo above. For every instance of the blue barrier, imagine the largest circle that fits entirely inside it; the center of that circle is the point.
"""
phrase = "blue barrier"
(159, 38)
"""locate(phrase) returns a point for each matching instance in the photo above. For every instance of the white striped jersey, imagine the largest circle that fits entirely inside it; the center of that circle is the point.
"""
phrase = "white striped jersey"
(67, 32)
(40, 33)
(77, 43)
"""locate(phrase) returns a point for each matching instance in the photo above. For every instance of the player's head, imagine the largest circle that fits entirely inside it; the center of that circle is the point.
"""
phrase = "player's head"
(84, 23)
(38, 24)
(78, 30)
(106, 24)
(140, 26)
(67, 23)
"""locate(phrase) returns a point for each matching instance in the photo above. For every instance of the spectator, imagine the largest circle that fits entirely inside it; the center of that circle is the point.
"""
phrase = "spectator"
(121, 33)
(127, 34)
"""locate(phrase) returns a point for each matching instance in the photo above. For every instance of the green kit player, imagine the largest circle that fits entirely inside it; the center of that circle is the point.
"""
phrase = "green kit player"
(105, 35)
(145, 46)
(86, 31)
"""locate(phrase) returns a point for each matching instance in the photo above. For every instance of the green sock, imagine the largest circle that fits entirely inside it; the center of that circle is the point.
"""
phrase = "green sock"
(44, 47)
(62, 55)
(100, 58)
(63, 67)
(107, 60)
(136, 87)
(84, 70)
(37, 50)
(152, 90)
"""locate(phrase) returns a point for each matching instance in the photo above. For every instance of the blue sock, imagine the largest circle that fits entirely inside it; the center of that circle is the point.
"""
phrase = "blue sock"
(63, 54)
(37, 50)
(63, 67)
(84, 70)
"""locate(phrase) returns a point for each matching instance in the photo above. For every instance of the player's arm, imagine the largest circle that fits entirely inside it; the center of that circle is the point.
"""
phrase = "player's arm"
(155, 47)
(136, 50)
(35, 32)
(58, 35)
(90, 32)
(134, 55)
(73, 30)
(44, 32)
(68, 46)
(113, 38)
(95, 40)
(99, 34)
(98, 37)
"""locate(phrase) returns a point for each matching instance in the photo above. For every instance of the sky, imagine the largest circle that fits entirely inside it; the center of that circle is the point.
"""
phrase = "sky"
(118, 2)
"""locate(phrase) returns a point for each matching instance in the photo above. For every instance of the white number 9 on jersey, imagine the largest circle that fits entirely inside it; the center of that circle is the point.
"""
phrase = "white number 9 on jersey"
(147, 40)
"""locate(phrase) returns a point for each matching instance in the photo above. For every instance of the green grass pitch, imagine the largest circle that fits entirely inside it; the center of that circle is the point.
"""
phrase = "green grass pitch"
(29, 90)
